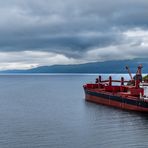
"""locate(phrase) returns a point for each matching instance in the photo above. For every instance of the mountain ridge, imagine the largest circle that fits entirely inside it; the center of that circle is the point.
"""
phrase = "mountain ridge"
(113, 66)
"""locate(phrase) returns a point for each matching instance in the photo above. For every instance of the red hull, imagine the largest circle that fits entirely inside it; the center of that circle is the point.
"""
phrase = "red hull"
(100, 100)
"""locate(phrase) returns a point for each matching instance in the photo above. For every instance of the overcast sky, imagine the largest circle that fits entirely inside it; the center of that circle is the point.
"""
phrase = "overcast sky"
(46, 32)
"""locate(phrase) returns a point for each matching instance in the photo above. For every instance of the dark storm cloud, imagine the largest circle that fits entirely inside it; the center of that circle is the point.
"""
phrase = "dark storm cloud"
(71, 27)
(65, 44)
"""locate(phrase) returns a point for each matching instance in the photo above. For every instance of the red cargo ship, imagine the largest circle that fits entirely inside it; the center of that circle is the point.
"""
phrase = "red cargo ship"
(130, 95)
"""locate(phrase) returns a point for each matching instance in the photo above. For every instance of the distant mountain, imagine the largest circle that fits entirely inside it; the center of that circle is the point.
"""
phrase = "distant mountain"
(115, 66)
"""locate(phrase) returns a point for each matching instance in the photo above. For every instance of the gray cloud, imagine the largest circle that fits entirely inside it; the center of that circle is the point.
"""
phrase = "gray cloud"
(71, 27)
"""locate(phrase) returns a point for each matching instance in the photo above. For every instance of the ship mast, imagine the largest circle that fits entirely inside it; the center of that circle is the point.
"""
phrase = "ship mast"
(138, 75)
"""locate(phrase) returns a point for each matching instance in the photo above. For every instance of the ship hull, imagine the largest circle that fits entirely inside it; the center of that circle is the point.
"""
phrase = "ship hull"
(110, 99)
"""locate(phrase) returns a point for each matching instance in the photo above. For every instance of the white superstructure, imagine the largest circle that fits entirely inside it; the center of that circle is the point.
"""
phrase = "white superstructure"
(145, 88)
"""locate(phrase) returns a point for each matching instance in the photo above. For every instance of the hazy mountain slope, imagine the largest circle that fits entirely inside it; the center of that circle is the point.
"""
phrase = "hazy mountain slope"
(96, 67)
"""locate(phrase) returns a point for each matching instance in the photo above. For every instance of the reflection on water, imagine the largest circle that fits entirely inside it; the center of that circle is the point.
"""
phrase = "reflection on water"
(38, 111)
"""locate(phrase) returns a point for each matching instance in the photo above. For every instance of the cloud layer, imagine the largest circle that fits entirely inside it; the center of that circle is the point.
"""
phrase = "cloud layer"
(74, 31)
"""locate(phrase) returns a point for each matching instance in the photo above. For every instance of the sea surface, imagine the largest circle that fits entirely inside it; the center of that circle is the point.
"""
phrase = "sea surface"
(49, 111)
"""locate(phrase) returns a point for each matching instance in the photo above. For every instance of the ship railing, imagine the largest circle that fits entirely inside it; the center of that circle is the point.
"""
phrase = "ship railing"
(103, 81)
(110, 81)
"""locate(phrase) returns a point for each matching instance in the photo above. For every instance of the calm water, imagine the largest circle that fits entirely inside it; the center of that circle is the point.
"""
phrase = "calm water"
(49, 111)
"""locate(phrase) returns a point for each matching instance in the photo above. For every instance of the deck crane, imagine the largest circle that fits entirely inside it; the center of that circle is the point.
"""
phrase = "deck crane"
(138, 75)
(127, 68)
